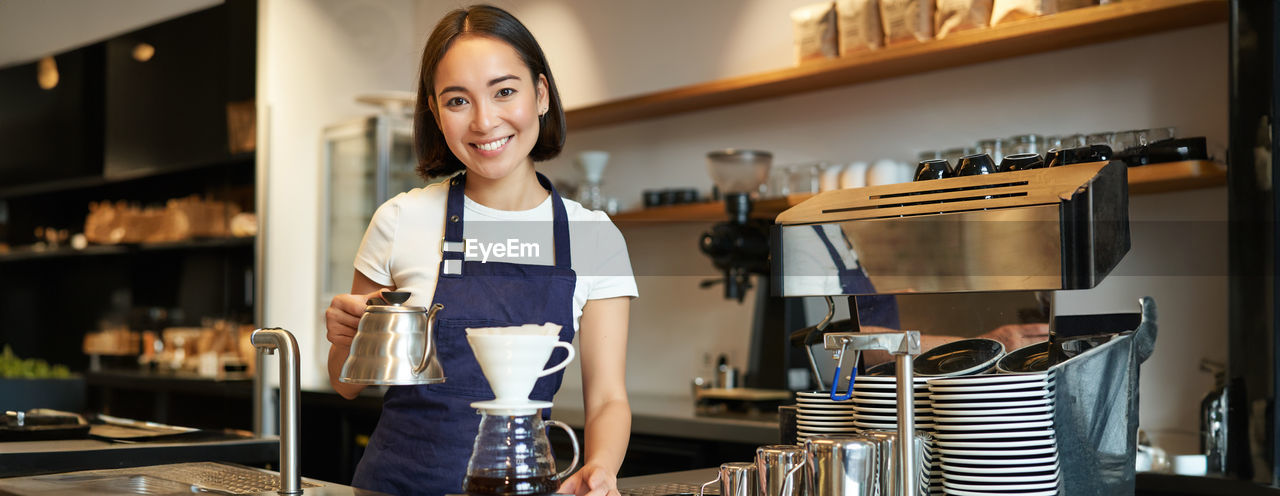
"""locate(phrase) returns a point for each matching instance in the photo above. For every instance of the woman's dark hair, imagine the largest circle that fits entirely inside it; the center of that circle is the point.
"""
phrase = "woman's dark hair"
(434, 156)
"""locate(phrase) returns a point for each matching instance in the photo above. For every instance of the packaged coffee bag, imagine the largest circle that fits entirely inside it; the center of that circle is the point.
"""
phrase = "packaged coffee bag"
(906, 20)
(959, 15)
(1003, 11)
(859, 25)
(814, 28)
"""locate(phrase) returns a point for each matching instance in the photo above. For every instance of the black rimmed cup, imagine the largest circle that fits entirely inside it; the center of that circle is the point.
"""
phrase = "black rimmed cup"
(964, 357)
(936, 168)
(976, 164)
(1053, 157)
(1079, 155)
(1021, 161)
(1027, 359)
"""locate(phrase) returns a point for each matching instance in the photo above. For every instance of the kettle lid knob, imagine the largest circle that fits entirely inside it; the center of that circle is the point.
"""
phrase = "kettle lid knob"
(396, 297)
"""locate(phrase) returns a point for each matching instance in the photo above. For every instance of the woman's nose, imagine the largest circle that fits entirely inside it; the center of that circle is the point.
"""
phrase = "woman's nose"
(484, 117)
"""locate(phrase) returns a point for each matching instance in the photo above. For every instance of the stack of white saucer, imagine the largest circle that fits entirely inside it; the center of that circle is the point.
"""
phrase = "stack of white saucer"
(875, 403)
(817, 413)
(875, 406)
(994, 434)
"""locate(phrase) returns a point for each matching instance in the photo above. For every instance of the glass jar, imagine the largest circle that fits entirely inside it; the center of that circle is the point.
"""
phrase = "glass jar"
(512, 456)
(1026, 143)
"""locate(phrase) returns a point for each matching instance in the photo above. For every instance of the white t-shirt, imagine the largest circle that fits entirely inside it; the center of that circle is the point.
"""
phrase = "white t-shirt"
(402, 246)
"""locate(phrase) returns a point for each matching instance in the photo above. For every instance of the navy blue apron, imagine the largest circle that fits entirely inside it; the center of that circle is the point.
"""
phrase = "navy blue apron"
(425, 435)
(875, 310)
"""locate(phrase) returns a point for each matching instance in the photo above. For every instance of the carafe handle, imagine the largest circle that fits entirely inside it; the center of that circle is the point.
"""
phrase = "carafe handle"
(573, 438)
(429, 340)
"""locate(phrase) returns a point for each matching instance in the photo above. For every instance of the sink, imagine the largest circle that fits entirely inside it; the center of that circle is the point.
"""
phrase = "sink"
(178, 478)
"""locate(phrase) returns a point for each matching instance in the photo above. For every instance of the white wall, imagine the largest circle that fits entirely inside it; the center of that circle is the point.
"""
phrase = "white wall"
(315, 61)
(314, 58)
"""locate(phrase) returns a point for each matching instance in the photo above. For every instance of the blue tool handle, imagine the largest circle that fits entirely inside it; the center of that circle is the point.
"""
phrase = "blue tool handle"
(835, 384)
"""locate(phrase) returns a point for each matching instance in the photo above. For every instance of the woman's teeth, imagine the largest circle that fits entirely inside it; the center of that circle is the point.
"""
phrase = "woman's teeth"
(493, 145)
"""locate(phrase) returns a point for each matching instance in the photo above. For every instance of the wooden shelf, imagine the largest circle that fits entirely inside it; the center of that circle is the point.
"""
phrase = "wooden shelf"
(1068, 29)
(712, 211)
(99, 250)
(1176, 176)
(88, 182)
(1147, 179)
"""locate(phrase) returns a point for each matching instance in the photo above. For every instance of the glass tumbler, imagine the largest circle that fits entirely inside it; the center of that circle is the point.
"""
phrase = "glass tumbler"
(1026, 143)
(993, 147)
(806, 178)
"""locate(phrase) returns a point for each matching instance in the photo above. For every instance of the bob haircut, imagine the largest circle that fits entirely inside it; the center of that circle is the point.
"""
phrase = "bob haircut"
(435, 159)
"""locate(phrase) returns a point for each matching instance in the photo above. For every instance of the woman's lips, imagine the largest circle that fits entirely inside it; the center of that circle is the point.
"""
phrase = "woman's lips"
(489, 148)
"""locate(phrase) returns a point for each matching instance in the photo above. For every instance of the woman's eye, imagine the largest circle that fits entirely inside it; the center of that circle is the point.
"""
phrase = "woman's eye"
(505, 92)
(455, 101)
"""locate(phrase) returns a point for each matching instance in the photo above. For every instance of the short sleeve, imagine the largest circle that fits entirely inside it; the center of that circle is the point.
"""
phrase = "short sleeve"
(373, 259)
(608, 270)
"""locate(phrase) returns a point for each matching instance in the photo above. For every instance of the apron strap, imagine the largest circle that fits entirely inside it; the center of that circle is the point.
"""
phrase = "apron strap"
(560, 223)
(453, 247)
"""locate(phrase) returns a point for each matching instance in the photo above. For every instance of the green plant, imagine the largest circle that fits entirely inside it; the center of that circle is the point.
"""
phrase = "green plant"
(12, 367)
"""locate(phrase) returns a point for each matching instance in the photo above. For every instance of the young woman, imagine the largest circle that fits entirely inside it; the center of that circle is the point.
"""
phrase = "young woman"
(487, 109)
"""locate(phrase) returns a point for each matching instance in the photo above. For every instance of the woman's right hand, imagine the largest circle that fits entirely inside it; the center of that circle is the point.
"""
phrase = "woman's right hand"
(343, 317)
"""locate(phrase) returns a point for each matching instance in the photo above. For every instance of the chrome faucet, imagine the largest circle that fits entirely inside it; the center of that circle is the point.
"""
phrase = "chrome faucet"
(269, 340)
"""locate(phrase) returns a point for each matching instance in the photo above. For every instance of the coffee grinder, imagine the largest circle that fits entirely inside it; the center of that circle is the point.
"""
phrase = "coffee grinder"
(739, 248)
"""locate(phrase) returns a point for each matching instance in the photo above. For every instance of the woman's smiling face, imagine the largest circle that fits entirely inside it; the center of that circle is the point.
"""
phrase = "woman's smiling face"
(487, 105)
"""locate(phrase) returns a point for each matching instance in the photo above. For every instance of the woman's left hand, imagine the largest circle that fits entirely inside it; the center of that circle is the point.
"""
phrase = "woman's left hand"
(591, 480)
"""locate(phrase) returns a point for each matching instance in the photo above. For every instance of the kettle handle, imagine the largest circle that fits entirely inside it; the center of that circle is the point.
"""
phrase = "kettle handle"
(428, 341)
(573, 438)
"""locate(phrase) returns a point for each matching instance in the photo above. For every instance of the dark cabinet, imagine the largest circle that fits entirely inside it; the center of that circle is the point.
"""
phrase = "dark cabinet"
(139, 119)
(56, 132)
(170, 87)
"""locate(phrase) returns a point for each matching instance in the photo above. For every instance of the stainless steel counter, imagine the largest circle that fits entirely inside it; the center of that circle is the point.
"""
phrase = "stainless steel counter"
(674, 416)
(671, 483)
(44, 457)
(217, 478)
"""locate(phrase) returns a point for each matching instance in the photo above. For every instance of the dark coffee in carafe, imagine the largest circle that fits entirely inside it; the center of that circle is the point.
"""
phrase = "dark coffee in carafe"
(501, 485)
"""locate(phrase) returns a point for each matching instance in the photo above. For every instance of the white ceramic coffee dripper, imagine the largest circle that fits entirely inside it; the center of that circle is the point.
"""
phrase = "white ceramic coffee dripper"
(512, 359)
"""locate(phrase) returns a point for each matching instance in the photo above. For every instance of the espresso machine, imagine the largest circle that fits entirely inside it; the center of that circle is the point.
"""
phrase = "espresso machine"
(1049, 229)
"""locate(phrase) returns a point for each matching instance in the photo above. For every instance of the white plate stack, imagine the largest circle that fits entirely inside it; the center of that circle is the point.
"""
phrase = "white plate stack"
(875, 403)
(875, 406)
(994, 434)
(817, 414)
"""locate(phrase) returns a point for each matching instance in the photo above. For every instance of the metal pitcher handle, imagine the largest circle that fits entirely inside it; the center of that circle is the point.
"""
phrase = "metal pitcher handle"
(573, 438)
(787, 485)
(428, 341)
(702, 490)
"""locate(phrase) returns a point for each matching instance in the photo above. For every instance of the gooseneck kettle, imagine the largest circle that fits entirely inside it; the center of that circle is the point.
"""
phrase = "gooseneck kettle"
(394, 344)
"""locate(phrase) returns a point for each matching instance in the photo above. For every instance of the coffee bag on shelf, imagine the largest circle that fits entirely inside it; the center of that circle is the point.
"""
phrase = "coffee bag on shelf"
(859, 24)
(814, 28)
(906, 20)
(959, 15)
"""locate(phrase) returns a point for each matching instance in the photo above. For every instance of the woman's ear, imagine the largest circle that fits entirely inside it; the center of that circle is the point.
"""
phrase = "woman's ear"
(543, 97)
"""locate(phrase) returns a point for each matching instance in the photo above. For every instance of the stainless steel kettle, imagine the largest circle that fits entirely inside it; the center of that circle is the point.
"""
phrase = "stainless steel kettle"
(394, 344)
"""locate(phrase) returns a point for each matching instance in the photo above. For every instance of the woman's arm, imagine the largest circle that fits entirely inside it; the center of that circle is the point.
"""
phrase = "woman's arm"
(341, 320)
(603, 343)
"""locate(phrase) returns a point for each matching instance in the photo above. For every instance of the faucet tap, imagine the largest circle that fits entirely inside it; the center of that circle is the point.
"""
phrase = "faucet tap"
(268, 340)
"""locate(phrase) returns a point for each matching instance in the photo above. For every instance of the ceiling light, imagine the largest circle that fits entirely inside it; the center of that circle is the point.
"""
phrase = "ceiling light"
(143, 52)
(47, 73)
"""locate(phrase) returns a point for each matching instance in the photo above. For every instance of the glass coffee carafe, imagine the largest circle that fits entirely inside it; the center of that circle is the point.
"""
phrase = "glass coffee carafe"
(512, 455)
